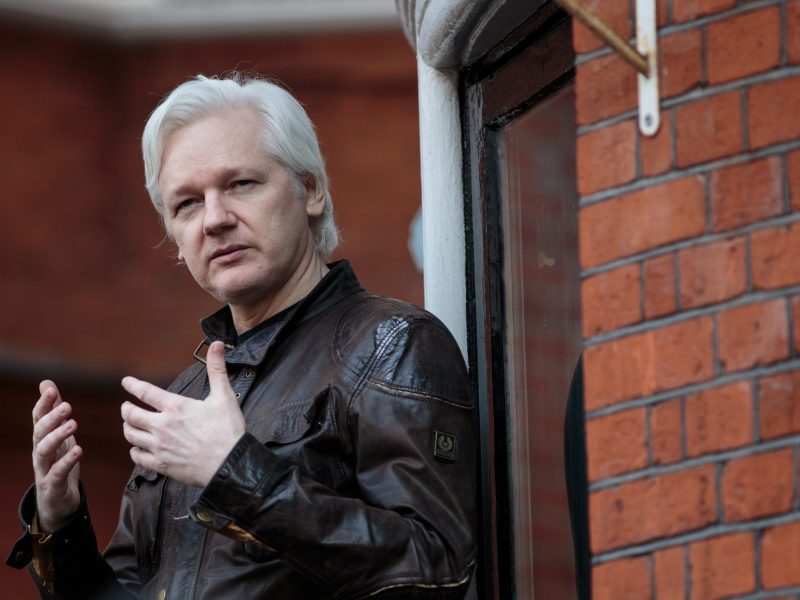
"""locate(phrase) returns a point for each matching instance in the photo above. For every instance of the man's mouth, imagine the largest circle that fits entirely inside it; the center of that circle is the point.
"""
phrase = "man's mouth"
(227, 253)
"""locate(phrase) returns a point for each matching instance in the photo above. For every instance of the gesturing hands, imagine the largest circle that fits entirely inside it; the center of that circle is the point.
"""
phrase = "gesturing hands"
(183, 438)
(55, 459)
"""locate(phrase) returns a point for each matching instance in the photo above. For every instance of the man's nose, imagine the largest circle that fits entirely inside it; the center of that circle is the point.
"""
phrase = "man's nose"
(217, 215)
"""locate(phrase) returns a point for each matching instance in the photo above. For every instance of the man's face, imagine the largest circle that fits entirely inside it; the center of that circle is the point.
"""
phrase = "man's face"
(234, 212)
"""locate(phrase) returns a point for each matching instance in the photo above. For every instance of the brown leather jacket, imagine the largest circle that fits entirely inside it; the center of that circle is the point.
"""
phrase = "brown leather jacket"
(355, 479)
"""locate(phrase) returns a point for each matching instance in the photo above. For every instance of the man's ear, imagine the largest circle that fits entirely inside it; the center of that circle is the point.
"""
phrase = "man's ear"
(315, 199)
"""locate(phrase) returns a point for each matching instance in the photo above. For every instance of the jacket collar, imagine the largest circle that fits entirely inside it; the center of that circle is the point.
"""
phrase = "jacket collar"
(338, 283)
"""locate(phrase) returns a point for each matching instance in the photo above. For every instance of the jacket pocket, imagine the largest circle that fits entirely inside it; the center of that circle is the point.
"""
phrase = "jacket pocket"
(146, 490)
(305, 431)
(293, 421)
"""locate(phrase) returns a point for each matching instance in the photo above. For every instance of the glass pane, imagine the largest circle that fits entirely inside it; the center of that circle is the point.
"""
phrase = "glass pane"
(536, 163)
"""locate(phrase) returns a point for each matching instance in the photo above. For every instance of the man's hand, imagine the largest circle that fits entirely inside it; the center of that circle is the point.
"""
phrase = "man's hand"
(56, 457)
(185, 439)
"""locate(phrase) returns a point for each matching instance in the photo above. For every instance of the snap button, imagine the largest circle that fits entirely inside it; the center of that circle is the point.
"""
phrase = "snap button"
(248, 373)
(204, 517)
(238, 395)
(19, 556)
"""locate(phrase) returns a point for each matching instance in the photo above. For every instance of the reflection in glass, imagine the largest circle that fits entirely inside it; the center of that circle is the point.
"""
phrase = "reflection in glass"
(536, 162)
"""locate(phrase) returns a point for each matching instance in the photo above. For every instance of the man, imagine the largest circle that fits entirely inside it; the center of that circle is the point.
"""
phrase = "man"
(332, 454)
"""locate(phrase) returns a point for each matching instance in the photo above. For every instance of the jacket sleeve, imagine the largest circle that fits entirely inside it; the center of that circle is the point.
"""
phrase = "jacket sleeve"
(67, 563)
(407, 529)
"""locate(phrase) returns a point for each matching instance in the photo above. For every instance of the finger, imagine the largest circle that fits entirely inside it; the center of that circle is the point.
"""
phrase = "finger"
(137, 437)
(48, 398)
(59, 472)
(46, 451)
(47, 385)
(217, 371)
(146, 392)
(50, 421)
(144, 459)
(139, 417)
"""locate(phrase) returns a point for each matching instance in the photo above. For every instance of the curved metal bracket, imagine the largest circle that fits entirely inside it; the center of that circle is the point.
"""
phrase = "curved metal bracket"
(643, 58)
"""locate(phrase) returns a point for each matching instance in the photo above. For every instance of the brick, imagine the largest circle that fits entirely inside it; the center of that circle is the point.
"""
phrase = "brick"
(611, 300)
(793, 30)
(626, 579)
(656, 151)
(708, 129)
(712, 272)
(682, 353)
(686, 10)
(773, 111)
(642, 364)
(680, 62)
(606, 157)
(616, 443)
(757, 486)
(779, 405)
(756, 334)
(746, 193)
(775, 254)
(670, 571)
(619, 370)
(723, 566)
(793, 175)
(780, 556)
(641, 220)
(719, 419)
(743, 45)
(652, 508)
(614, 14)
(659, 285)
(662, 18)
(604, 87)
(665, 432)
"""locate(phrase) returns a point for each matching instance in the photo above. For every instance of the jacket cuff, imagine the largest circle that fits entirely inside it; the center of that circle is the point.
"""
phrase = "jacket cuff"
(44, 548)
(248, 468)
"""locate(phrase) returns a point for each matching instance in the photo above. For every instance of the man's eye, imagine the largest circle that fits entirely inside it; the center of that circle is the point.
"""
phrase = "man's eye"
(185, 204)
(242, 184)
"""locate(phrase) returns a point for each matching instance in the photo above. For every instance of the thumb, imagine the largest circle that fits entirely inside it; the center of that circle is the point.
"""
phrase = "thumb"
(217, 371)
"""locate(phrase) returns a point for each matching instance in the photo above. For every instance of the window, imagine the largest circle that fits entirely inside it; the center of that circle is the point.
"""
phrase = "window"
(525, 333)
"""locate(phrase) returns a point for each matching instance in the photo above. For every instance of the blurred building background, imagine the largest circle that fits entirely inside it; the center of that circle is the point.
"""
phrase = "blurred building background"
(90, 288)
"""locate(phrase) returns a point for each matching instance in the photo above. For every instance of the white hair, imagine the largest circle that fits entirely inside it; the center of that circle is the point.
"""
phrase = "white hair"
(288, 136)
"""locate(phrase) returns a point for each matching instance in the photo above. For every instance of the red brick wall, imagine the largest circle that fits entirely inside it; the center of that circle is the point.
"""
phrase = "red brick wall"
(87, 295)
(690, 250)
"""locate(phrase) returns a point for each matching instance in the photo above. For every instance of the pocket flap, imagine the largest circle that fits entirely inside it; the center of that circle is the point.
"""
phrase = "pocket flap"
(141, 474)
(294, 420)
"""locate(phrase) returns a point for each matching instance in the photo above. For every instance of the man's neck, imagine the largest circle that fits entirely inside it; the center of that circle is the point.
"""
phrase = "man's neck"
(308, 275)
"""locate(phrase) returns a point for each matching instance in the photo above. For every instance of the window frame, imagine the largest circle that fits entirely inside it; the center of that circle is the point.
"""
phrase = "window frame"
(492, 94)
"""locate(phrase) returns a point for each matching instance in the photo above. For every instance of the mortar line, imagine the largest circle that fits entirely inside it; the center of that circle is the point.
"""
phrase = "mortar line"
(694, 462)
(762, 371)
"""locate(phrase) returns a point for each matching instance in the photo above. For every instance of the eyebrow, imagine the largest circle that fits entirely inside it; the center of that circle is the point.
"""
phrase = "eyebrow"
(224, 174)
